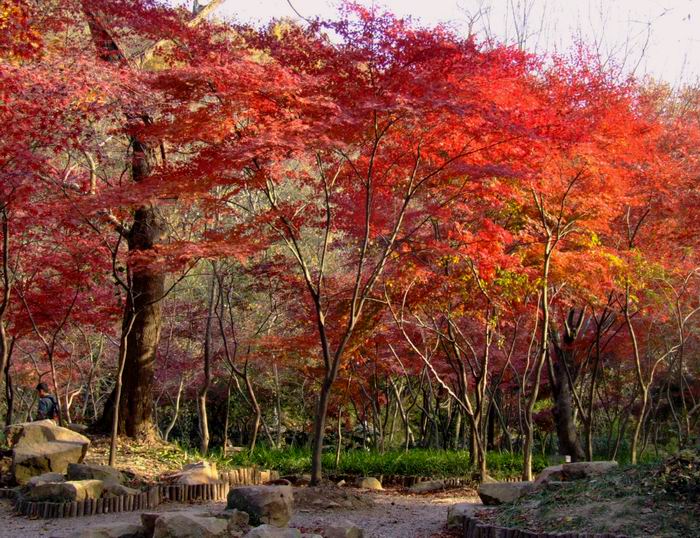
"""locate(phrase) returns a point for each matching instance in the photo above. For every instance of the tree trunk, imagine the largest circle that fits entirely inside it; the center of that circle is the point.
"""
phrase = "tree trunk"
(339, 446)
(127, 328)
(9, 388)
(319, 430)
(147, 285)
(204, 391)
(562, 377)
(6, 286)
(176, 411)
(148, 288)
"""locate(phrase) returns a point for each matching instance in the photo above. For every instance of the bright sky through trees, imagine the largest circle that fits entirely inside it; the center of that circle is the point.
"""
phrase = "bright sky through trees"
(656, 37)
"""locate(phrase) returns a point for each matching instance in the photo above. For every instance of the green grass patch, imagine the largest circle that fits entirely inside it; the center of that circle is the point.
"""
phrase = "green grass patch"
(415, 462)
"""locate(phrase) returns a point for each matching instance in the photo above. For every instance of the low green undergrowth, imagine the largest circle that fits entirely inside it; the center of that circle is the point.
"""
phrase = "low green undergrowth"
(415, 462)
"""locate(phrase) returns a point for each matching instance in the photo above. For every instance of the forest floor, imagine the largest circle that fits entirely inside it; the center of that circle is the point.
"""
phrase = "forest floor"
(386, 514)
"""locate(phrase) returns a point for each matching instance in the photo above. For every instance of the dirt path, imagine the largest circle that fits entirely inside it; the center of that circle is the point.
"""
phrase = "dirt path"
(393, 516)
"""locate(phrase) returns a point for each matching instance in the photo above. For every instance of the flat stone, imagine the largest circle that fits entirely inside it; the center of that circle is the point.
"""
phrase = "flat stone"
(427, 486)
(180, 525)
(345, 529)
(118, 490)
(78, 490)
(264, 504)
(503, 492)
(586, 469)
(45, 478)
(83, 471)
(369, 482)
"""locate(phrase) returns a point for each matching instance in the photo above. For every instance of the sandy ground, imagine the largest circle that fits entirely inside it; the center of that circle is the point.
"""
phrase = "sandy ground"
(393, 515)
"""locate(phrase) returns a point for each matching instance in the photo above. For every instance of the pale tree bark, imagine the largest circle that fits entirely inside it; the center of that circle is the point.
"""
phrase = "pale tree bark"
(6, 288)
(204, 390)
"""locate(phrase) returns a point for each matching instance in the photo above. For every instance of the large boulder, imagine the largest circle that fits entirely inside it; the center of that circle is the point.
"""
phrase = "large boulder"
(264, 504)
(84, 471)
(458, 513)
(586, 469)
(66, 491)
(369, 482)
(180, 525)
(196, 474)
(503, 492)
(116, 530)
(270, 531)
(43, 447)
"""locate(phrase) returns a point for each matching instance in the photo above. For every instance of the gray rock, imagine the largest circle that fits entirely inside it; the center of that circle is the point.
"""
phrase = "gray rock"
(345, 529)
(84, 471)
(428, 486)
(117, 530)
(45, 478)
(180, 525)
(503, 492)
(270, 531)
(117, 490)
(264, 504)
(42, 447)
(586, 469)
(369, 482)
(458, 513)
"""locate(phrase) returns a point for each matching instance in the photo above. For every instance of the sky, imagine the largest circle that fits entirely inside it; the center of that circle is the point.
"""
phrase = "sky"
(648, 37)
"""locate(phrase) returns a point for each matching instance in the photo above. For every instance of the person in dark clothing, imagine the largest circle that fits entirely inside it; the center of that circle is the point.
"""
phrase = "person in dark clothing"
(48, 406)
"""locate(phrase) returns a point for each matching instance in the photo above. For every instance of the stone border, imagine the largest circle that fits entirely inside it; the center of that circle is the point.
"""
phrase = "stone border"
(474, 528)
(144, 500)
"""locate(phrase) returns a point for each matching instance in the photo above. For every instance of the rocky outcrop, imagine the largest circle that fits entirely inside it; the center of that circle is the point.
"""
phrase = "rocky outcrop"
(369, 482)
(42, 447)
(264, 504)
(503, 492)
